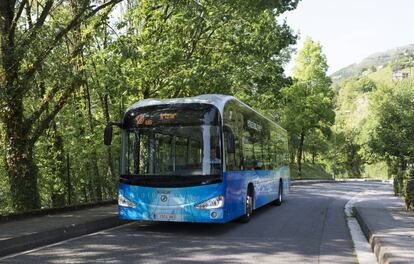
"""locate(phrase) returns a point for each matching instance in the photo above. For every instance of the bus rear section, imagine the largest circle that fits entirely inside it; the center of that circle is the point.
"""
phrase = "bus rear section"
(171, 164)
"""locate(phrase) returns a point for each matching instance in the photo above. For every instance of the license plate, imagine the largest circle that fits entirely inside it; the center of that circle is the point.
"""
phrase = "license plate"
(165, 217)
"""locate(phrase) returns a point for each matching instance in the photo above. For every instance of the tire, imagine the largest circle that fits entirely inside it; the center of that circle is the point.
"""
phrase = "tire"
(279, 199)
(248, 205)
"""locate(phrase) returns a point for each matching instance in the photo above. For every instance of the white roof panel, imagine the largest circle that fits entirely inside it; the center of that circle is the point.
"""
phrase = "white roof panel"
(217, 100)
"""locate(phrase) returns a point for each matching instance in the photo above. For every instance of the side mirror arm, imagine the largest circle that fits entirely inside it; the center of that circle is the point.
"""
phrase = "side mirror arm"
(108, 132)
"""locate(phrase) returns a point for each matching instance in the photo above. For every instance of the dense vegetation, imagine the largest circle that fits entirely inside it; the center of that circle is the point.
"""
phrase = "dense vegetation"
(67, 68)
(375, 125)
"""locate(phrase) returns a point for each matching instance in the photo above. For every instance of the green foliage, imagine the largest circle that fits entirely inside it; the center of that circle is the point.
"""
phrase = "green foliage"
(376, 170)
(76, 70)
(190, 48)
(375, 124)
(409, 191)
(310, 172)
(394, 108)
(308, 110)
(348, 160)
(398, 183)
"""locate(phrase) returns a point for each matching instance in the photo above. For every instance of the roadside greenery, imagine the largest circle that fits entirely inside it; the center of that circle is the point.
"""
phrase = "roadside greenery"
(308, 112)
(69, 67)
(374, 127)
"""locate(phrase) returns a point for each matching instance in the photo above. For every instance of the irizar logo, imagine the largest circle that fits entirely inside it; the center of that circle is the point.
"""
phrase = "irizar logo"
(164, 198)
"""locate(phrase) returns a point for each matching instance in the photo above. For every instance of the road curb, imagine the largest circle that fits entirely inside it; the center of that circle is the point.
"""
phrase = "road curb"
(31, 241)
(374, 241)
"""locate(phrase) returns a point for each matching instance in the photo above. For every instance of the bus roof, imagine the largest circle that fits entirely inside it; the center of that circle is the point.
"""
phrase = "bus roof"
(218, 100)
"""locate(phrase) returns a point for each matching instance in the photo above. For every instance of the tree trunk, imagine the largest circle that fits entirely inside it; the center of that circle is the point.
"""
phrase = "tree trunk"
(402, 164)
(58, 191)
(20, 166)
(94, 155)
(300, 153)
(109, 157)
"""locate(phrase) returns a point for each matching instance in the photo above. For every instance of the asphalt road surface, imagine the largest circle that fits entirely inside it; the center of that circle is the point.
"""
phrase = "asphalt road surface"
(309, 227)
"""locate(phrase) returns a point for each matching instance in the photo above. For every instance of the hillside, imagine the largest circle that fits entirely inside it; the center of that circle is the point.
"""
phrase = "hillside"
(374, 62)
(353, 96)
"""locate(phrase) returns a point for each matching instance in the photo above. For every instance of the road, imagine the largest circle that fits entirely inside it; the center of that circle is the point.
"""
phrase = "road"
(310, 227)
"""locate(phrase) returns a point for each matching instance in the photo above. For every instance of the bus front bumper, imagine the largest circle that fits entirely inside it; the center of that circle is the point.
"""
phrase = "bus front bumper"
(168, 215)
(170, 204)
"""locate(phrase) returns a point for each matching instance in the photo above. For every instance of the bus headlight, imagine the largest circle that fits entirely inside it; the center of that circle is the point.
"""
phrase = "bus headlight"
(213, 203)
(122, 201)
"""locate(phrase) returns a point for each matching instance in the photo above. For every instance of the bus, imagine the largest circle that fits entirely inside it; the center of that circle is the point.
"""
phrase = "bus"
(209, 158)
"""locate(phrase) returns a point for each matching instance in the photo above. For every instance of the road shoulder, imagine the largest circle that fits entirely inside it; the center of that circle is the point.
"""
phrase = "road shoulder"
(26, 234)
(387, 226)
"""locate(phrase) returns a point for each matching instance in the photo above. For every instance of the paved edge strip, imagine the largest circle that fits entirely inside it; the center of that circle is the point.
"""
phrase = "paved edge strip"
(374, 241)
(53, 211)
(306, 182)
(31, 241)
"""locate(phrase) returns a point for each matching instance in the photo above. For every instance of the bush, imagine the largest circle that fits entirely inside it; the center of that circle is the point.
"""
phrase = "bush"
(409, 191)
(399, 183)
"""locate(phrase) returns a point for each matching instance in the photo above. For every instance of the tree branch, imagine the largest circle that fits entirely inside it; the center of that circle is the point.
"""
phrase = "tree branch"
(79, 18)
(44, 124)
(29, 14)
(39, 23)
(44, 105)
(18, 15)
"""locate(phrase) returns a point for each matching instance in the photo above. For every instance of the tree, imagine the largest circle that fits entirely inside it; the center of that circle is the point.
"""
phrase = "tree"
(189, 48)
(309, 101)
(393, 110)
(66, 70)
(352, 124)
(30, 33)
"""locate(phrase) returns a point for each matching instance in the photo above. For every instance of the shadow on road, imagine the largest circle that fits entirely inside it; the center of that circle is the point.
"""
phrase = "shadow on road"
(309, 228)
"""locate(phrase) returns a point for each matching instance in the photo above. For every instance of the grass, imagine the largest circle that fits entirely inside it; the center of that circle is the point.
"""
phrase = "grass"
(310, 172)
(377, 171)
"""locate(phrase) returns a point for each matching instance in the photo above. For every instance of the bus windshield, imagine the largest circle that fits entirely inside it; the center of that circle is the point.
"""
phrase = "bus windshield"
(172, 150)
(164, 141)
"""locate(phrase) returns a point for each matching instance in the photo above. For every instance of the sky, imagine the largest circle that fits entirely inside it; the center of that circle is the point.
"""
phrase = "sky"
(350, 30)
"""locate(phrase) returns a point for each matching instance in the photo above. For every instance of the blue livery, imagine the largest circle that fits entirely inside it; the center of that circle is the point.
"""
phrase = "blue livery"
(209, 159)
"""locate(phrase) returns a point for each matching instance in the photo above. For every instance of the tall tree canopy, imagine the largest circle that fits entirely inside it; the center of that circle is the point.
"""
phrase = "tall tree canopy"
(309, 101)
(393, 114)
(68, 67)
(33, 36)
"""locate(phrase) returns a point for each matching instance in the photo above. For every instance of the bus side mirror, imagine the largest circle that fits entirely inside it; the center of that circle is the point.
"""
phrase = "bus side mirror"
(108, 135)
(230, 141)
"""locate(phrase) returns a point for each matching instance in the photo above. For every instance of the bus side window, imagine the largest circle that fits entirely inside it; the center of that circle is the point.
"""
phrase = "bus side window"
(248, 152)
(233, 119)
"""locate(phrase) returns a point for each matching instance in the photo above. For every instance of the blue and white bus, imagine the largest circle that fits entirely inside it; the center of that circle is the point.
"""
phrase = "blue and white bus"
(209, 158)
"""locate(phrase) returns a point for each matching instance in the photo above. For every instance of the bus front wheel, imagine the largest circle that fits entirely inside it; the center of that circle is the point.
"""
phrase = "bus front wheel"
(248, 206)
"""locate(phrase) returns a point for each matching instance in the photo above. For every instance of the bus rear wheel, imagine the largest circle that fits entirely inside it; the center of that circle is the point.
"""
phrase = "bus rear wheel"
(248, 205)
(279, 198)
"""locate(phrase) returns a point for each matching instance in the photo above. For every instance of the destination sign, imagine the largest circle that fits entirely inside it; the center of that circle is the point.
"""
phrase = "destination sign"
(170, 115)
